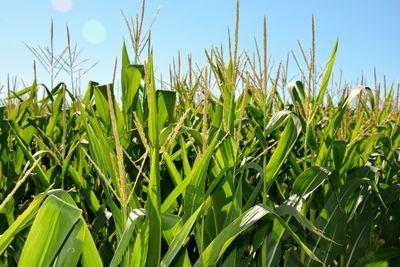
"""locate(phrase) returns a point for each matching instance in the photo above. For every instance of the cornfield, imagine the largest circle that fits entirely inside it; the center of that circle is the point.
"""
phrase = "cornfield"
(193, 176)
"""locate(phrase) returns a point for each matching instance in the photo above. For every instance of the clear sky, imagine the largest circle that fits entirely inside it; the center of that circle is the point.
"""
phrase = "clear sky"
(368, 32)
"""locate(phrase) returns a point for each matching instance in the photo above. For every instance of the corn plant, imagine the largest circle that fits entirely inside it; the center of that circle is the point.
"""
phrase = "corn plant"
(238, 176)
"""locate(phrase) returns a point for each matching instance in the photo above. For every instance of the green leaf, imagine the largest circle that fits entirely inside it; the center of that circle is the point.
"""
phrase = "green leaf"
(303, 186)
(218, 246)
(298, 96)
(131, 87)
(70, 252)
(153, 203)
(333, 127)
(276, 121)
(309, 180)
(195, 192)
(50, 228)
(24, 220)
(126, 236)
(57, 108)
(90, 256)
(325, 79)
(43, 180)
(166, 104)
(288, 138)
(181, 235)
(332, 220)
(360, 234)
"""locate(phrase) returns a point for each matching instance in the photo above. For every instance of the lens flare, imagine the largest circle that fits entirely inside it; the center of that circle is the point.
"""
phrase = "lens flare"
(62, 5)
(94, 32)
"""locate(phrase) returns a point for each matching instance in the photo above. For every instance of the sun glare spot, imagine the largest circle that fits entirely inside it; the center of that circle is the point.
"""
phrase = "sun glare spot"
(62, 5)
(93, 32)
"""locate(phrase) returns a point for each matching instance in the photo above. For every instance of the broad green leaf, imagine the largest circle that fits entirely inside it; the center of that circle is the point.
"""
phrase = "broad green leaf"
(141, 249)
(309, 180)
(165, 104)
(276, 121)
(131, 87)
(90, 256)
(218, 246)
(57, 108)
(296, 91)
(173, 171)
(286, 142)
(153, 203)
(20, 93)
(89, 93)
(332, 220)
(195, 192)
(23, 221)
(360, 234)
(126, 236)
(70, 252)
(199, 169)
(49, 230)
(43, 180)
(182, 235)
(303, 186)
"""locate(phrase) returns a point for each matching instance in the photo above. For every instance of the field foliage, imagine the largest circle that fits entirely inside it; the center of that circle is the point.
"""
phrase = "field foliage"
(218, 169)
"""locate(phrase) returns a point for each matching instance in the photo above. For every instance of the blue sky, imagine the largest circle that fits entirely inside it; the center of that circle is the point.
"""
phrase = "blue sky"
(368, 32)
